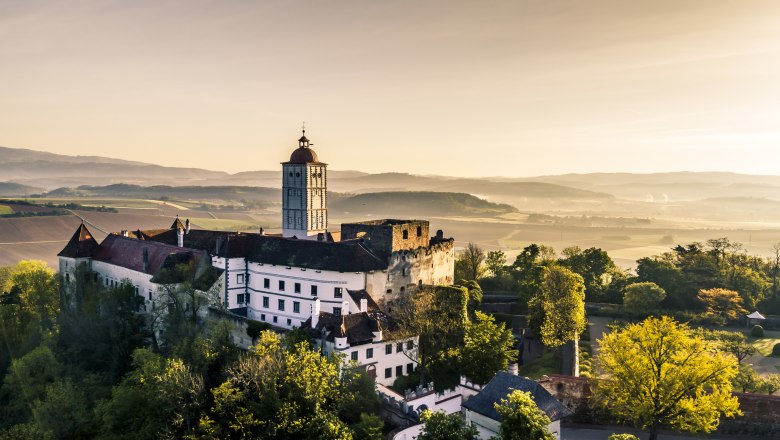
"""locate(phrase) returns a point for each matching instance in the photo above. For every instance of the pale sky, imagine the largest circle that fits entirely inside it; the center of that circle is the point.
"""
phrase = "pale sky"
(472, 88)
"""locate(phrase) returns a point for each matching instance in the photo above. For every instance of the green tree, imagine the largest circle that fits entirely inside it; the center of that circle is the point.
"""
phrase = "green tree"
(769, 384)
(25, 383)
(595, 267)
(487, 349)
(495, 262)
(368, 428)
(559, 309)
(521, 419)
(734, 343)
(722, 303)
(276, 392)
(746, 379)
(658, 374)
(441, 426)
(65, 413)
(528, 271)
(159, 398)
(29, 305)
(469, 264)
(623, 437)
(643, 298)
(439, 317)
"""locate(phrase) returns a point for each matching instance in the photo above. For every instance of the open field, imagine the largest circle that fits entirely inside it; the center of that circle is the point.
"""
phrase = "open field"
(5, 209)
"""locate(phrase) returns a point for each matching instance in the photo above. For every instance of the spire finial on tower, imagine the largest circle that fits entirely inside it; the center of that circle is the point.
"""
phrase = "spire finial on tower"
(303, 127)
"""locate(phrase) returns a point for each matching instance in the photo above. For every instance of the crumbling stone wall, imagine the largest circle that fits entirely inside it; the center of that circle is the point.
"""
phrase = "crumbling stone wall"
(408, 270)
(384, 237)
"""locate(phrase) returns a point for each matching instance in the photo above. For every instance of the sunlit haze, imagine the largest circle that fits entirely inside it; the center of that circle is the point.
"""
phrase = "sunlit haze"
(513, 88)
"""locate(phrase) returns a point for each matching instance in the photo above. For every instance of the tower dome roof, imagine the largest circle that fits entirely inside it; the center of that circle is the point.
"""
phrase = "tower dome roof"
(303, 154)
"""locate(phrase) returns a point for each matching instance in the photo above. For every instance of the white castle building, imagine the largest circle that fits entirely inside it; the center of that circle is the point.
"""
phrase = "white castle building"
(337, 284)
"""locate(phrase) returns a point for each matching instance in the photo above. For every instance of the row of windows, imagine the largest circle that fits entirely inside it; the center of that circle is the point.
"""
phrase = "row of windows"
(399, 347)
(405, 232)
(281, 304)
(338, 292)
(275, 319)
(399, 370)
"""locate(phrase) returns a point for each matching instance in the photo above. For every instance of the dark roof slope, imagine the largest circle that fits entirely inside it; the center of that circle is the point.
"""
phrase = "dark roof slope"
(81, 244)
(340, 256)
(357, 295)
(504, 383)
(129, 253)
(358, 328)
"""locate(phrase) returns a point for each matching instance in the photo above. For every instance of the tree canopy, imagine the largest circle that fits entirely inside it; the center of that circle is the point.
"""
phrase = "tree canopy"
(657, 374)
(521, 419)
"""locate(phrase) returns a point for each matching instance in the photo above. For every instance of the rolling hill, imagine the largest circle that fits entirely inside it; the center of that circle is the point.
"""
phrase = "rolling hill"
(419, 204)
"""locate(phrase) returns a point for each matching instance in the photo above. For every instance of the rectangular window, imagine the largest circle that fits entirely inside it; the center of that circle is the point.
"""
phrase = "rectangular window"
(399, 347)
(409, 345)
(389, 349)
(281, 304)
(289, 321)
(266, 283)
(150, 295)
(296, 307)
(369, 353)
(240, 298)
(313, 290)
(274, 320)
(409, 368)
(281, 285)
(399, 370)
(265, 302)
(419, 231)
(337, 292)
(337, 311)
(388, 372)
(262, 316)
(240, 278)
(354, 355)
(297, 288)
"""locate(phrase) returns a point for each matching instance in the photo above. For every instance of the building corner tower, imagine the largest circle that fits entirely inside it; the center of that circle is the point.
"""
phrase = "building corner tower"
(304, 193)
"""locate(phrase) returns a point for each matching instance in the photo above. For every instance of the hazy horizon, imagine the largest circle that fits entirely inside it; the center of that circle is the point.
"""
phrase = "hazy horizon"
(529, 88)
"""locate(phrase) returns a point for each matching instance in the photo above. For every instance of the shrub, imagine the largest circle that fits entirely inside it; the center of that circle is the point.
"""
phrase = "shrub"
(776, 350)
(254, 328)
(623, 437)
(757, 331)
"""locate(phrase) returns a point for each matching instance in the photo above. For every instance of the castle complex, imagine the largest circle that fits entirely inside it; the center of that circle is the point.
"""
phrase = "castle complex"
(337, 284)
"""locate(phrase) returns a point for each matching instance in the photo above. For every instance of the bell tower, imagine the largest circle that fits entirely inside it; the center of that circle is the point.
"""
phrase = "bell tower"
(304, 193)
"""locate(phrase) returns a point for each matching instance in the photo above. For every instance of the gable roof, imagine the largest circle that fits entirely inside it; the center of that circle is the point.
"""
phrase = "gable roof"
(504, 383)
(82, 244)
(129, 253)
(358, 328)
(756, 315)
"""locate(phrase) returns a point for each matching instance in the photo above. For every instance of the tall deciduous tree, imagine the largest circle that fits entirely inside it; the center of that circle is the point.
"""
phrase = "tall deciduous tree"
(521, 419)
(495, 262)
(439, 317)
(469, 265)
(559, 309)
(658, 374)
(487, 349)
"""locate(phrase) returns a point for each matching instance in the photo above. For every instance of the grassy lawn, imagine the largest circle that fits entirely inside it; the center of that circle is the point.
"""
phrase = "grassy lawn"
(548, 363)
(5, 209)
(764, 345)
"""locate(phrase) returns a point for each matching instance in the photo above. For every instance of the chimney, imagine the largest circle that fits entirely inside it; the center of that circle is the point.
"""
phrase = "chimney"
(187, 226)
(146, 259)
(315, 313)
(513, 369)
(124, 232)
(363, 305)
(262, 231)
(440, 234)
(345, 308)
(179, 237)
